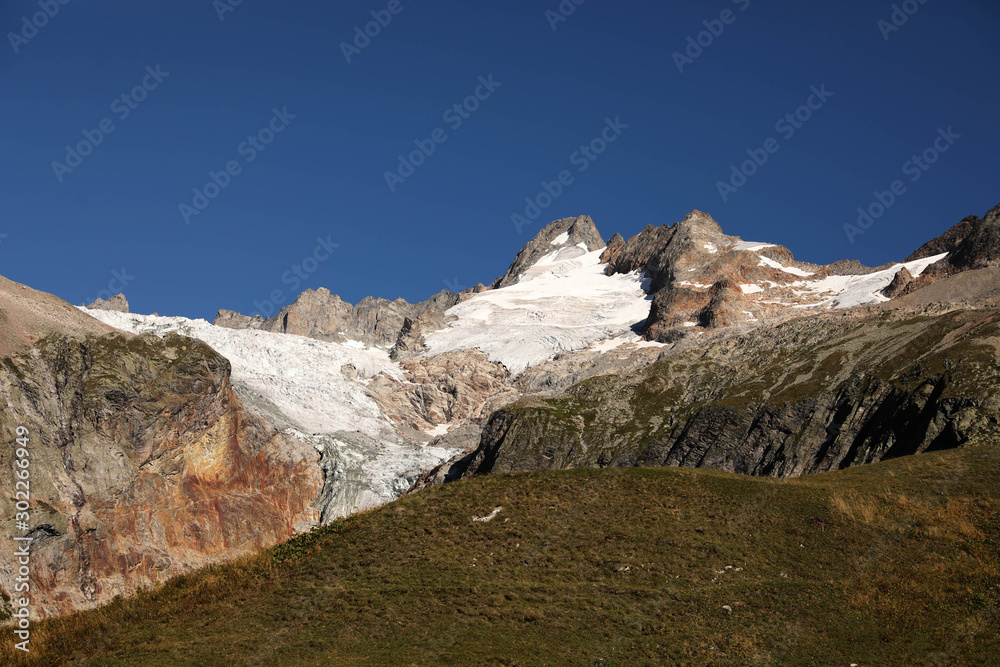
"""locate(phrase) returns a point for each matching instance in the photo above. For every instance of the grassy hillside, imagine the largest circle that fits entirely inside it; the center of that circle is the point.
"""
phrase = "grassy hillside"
(896, 563)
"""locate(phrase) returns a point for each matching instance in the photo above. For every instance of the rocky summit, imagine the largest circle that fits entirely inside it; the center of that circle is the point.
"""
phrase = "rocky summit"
(116, 303)
(162, 444)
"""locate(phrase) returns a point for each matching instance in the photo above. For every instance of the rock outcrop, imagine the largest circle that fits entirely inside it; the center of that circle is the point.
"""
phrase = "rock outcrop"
(230, 319)
(321, 315)
(972, 243)
(613, 248)
(144, 465)
(902, 283)
(117, 303)
(410, 341)
(726, 305)
(695, 273)
(449, 388)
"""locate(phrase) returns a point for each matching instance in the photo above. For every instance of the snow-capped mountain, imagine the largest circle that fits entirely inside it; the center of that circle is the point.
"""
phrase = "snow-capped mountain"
(177, 458)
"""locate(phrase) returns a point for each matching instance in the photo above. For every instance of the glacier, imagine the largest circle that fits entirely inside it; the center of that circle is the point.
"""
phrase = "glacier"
(564, 302)
(299, 385)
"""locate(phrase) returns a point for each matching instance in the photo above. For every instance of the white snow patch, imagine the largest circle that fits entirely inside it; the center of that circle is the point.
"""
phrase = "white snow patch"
(752, 246)
(711, 248)
(489, 517)
(687, 283)
(648, 343)
(767, 261)
(562, 303)
(439, 430)
(628, 339)
(562, 238)
(848, 291)
(751, 289)
(607, 345)
(690, 324)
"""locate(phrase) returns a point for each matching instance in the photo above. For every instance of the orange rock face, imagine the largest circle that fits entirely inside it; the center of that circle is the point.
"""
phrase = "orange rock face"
(145, 465)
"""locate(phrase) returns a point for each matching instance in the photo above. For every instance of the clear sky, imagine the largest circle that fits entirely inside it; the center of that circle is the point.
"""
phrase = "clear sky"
(316, 169)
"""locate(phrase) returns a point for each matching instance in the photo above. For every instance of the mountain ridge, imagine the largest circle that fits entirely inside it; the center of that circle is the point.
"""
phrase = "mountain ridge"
(564, 361)
(696, 272)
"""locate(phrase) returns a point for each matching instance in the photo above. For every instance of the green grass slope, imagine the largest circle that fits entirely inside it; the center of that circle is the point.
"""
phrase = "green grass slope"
(896, 563)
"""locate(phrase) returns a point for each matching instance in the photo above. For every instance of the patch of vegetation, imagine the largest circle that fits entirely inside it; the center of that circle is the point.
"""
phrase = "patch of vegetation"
(895, 563)
(307, 543)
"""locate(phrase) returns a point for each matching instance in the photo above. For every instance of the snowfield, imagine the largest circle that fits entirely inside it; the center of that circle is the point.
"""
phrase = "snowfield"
(562, 303)
(751, 246)
(848, 291)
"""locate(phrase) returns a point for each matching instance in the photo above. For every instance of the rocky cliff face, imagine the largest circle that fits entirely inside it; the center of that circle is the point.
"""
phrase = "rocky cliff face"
(450, 388)
(144, 465)
(698, 274)
(971, 244)
(805, 396)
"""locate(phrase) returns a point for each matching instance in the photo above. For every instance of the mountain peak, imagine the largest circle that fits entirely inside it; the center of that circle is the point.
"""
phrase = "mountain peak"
(972, 243)
(116, 303)
(555, 235)
(700, 222)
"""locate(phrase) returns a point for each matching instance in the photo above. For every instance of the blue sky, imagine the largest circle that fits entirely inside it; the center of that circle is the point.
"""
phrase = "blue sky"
(214, 86)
